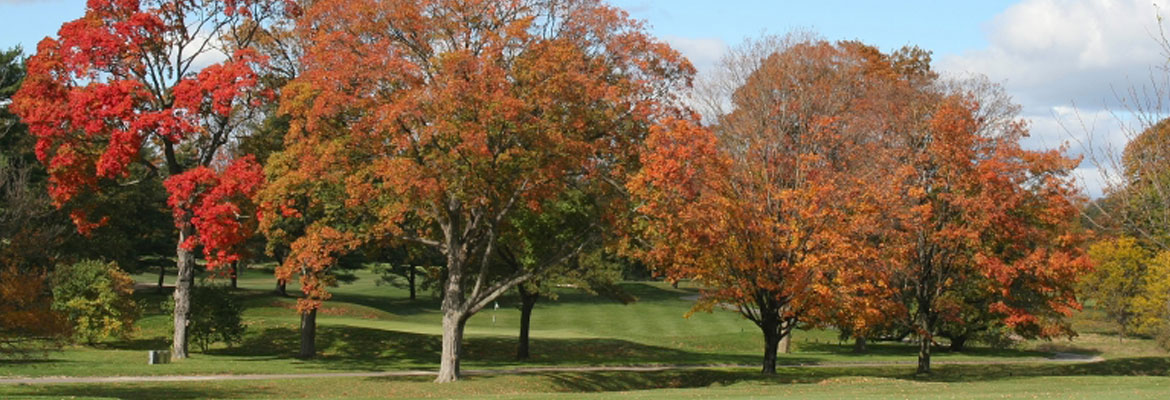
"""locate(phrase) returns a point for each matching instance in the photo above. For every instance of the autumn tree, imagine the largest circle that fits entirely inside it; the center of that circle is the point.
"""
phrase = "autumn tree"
(1128, 283)
(772, 209)
(439, 119)
(133, 91)
(980, 208)
(31, 232)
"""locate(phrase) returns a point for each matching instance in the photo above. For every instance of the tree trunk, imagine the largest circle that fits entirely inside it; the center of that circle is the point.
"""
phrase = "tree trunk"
(773, 334)
(771, 343)
(308, 334)
(527, 303)
(785, 345)
(280, 287)
(410, 279)
(235, 273)
(859, 345)
(924, 346)
(454, 314)
(162, 276)
(958, 343)
(453, 324)
(186, 277)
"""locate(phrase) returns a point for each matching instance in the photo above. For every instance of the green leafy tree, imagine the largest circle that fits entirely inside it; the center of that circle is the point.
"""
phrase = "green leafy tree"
(596, 272)
(97, 298)
(538, 237)
(216, 316)
(406, 266)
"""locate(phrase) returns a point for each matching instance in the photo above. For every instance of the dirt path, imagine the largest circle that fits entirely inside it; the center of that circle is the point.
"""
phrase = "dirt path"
(1056, 358)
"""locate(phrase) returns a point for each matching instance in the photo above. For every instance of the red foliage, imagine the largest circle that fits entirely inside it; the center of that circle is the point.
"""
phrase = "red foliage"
(216, 204)
(112, 83)
(216, 88)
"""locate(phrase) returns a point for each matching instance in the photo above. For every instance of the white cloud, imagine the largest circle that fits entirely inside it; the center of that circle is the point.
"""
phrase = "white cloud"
(1059, 51)
(1090, 180)
(206, 49)
(704, 53)
(1070, 64)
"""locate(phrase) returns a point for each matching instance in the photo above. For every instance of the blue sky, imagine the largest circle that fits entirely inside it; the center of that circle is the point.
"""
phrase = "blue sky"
(26, 22)
(942, 26)
(1068, 63)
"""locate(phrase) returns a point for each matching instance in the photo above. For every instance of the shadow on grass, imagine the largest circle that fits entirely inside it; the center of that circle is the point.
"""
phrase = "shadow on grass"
(903, 349)
(396, 306)
(342, 347)
(41, 359)
(138, 391)
(156, 343)
(1134, 366)
(1057, 347)
(627, 381)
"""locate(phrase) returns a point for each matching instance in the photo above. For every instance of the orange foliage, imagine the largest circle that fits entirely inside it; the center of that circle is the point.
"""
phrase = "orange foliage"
(432, 121)
(771, 209)
(979, 210)
(847, 189)
(25, 310)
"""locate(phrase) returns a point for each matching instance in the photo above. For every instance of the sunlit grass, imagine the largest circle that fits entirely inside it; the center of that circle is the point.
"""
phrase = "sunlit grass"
(375, 327)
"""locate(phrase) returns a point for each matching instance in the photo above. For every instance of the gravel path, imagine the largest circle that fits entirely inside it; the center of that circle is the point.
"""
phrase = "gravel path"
(1056, 358)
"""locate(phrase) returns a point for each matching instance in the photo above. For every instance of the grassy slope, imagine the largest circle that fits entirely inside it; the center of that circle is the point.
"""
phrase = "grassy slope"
(369, 327)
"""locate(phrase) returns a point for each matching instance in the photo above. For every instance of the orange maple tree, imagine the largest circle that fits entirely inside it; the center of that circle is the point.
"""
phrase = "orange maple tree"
(126, 93)
(433, 121)
(979, 209)
(851, 188)
(771, 209)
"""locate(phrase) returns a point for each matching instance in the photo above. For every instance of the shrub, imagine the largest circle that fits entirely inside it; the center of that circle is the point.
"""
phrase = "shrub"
(28, 325)
(215, 317)
(97, 299)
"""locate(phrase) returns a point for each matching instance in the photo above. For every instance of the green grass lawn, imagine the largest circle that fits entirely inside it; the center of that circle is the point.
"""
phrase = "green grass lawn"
(372, 327)
(1109, 379)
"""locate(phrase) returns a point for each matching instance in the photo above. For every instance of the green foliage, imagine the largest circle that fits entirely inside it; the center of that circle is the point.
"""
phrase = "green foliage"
(12, 132)
(97, 298)
(215, 317)
(563, 240)
(138, 227)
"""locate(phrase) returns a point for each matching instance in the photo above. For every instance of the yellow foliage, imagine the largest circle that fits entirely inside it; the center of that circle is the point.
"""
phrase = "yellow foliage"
(1131, 284)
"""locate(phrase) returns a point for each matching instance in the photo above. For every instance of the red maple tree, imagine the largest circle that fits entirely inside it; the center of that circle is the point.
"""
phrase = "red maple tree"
(125, 93)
